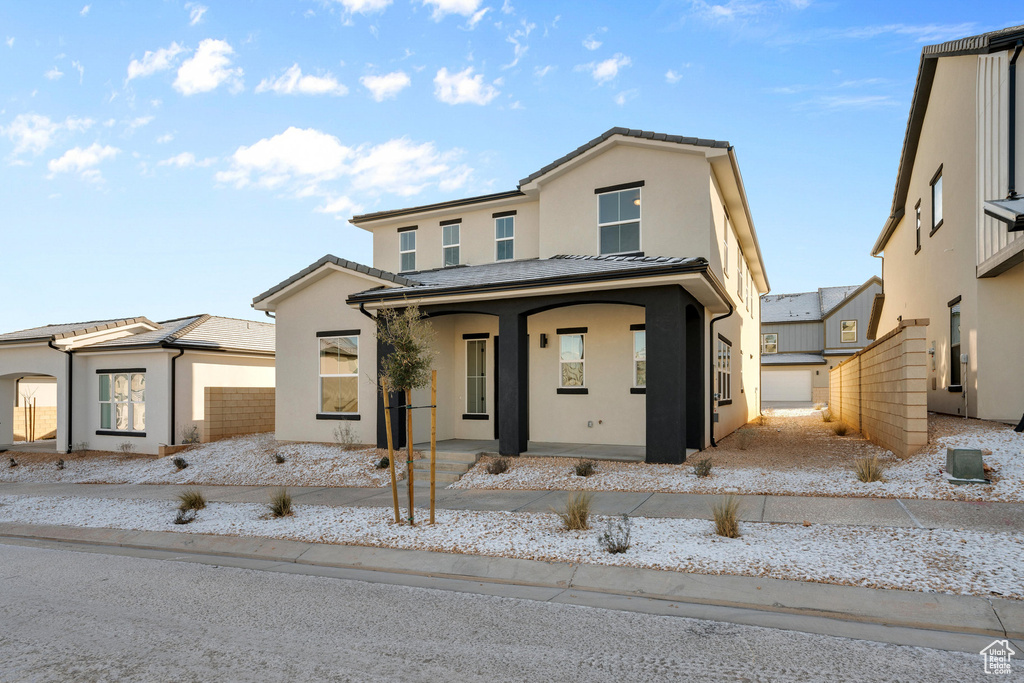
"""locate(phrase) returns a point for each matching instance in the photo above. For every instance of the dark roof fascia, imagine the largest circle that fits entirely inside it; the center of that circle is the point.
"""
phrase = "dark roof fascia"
(850, 297)
(791, 322)
(700, 266)
(172, 346)
(453, 204)
(343, 263)
(875, 317)
(26, 340)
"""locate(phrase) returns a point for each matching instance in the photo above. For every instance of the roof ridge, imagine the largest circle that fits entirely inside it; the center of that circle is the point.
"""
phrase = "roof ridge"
(174, 336)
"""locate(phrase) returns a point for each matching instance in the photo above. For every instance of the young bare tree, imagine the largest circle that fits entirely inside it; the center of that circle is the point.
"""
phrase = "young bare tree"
(407, 366)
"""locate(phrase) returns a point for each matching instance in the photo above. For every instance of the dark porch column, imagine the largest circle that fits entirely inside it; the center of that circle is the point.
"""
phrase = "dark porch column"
(667, 351)
(513, 366)
(396, 398)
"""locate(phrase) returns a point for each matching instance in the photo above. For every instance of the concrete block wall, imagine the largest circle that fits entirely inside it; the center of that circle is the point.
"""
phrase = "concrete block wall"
(232, 411)
(882, 391)
(820, 395)
(45, 422)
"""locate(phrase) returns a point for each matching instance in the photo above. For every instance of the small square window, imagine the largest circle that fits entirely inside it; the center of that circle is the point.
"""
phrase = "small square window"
(848, 331)
(770, 343)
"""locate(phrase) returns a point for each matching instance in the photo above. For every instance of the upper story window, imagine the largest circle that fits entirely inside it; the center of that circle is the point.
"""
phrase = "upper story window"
(770, 342)
(504, 238)
(123, 401)
(937, 200)
(740, 283)
(725, 252)
(450, 244)
(339, 374)
(847, 331)
(407, 249)
(640, 358)
(618, 221)
(917, 214)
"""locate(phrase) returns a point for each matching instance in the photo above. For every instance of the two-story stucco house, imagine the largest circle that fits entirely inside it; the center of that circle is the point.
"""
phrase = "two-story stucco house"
(953, 244)
(805, 335)
(611, 298)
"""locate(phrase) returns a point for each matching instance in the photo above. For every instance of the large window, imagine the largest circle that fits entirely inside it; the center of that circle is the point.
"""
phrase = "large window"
(724, 366)
(407, 250)
(450, 244)
(123, 401)
(504, 238)
(954, 343)
(618, 218)
(770, 343)
(937, 200)
(847, 331)
(476, 376)
(570, 361)
(339, 374)
(639, 358)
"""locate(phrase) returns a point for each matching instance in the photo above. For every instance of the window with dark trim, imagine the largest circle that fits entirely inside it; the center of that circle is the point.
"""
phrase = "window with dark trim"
(937, 200)
(504, 238)
(639, 358)
(954, 343)
(339, 375)
(570, 361)
(123, 401)
(450, 244)
(724, 367)
(407, 250)
(618, 221)
(476, 376)
(917, 213)
(848, 331)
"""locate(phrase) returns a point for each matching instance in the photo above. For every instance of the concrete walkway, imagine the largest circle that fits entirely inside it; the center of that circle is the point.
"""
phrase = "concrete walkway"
(925, 514)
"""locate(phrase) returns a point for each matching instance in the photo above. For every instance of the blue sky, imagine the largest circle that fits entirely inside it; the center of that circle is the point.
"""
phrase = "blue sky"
(170, 158)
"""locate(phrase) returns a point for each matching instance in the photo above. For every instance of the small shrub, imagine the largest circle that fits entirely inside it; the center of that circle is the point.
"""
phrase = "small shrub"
(819, 406)
(702, 468)
(191, 499)
(826, 416)
(383, 463)
(180, 462)
(344, 436)
(499, 465)
(185, 516)
(279, 458)
(126, 447)
(584, 468)
(869, 469)
(744, 437)
(840, 429)
(60, 463)
(615, 537)
(281, 503)
(190, 434)
(576, 515)
(14, 463)
(724, 512)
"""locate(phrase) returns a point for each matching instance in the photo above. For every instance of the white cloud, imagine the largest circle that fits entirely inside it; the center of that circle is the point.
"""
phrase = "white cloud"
(54, 74)
(293, 82)
(339, 205)
(10, 41)
(626, 96)
(400, 167)
(151, 62)
(386, 86)
(297, 153)
(80, 69)
(517, 39)
(364, 6)
(591, 43)
(673, 76)
(195, 12)
(507, 8)
(85, 10)
(83, 161)
(165, 138)
(140, 121)
(35, 133)
(477, 16)
(542, 71)
(608, 69)
(463, 87)
(466, 8)
(208, 68)
(185, 160)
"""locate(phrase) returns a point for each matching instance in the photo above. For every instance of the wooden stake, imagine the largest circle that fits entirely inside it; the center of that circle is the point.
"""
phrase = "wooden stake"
(433, 437)
(408, 445)
(391, 449)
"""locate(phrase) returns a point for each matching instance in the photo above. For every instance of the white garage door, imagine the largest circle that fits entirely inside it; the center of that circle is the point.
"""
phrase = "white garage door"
(785, 385)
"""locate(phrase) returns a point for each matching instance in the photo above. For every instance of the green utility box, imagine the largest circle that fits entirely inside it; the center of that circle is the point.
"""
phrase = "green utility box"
(963, 465)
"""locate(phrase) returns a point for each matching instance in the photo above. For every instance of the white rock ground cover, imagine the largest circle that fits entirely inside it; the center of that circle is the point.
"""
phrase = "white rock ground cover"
(920, 476)
(245, 460)
(947, 561)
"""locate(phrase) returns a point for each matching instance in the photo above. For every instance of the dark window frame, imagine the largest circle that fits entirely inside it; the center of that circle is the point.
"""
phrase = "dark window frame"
(937, 178)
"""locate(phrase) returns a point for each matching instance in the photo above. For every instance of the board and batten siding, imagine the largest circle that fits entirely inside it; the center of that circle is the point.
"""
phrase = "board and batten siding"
(797, 337)
(859, 309)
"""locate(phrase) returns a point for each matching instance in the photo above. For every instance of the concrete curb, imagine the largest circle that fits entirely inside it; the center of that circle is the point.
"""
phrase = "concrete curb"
(954, 614)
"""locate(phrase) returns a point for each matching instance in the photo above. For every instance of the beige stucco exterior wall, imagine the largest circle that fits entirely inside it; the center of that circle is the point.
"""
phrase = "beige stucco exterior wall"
(321, 307)
(39, 391)
(30, 359)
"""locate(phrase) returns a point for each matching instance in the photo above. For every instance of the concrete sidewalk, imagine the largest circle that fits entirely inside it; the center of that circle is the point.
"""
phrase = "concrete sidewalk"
(925, 514)
(952, 622)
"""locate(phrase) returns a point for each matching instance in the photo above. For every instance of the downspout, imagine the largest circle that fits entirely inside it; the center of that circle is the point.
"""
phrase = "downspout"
(1012, 132)
(270, 315)
(174, 391)
(70, 385)
(711, 353)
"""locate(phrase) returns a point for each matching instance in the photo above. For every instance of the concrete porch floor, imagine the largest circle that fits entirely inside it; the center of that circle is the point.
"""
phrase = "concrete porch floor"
(592, 451)
(40, 446)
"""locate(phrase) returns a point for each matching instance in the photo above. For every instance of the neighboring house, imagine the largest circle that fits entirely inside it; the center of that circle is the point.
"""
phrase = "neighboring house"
(132, 380)
(953, 247)
(805, 335)
(549, 302)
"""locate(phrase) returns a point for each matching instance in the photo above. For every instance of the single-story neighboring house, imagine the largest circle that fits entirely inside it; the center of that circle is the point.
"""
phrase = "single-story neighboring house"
(128, 380)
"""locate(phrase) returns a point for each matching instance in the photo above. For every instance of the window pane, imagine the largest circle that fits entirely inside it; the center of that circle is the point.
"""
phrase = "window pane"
(105, 388)
(450, 235)
(629, 205)
(641, 373)
(339, 394)
(954, 325)
(139, 417)
(571, 347)
(105, 410)
(505, 250)
(120, 387)
(572, 374)
(610, 239)
(937, 201)
(348, 354)
(451, 256)
(138, 388)
(407, 240)
(476, 395)
(409, 261)
(608, 208)
(330, 361)
(629, 237)
(504, 227)
(640, 345)
(121, 416)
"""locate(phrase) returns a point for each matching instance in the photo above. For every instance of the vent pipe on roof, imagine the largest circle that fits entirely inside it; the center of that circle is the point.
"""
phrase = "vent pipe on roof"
(1012, 132)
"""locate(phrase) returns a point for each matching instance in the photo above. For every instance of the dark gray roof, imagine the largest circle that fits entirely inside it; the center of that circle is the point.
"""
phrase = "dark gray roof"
(202, 332)
(979, 44)
(787, 308)
(831, 297)
(66, 330)
(792, 359)
(533, 272)
(344, 263)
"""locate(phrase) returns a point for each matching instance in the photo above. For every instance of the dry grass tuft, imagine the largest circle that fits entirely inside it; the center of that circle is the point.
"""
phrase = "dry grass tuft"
(819, 406)
(840, 429)
(281, 503)
(191, 499)
(725, 511)
(576, 516)
(826, 416)
(869, 469)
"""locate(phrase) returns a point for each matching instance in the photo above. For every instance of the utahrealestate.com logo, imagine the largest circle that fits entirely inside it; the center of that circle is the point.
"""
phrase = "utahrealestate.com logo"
(997, 657)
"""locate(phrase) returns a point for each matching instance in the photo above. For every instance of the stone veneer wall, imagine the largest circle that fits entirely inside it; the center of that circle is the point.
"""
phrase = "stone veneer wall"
(46, 423)
(882, 391)
(232, 411)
